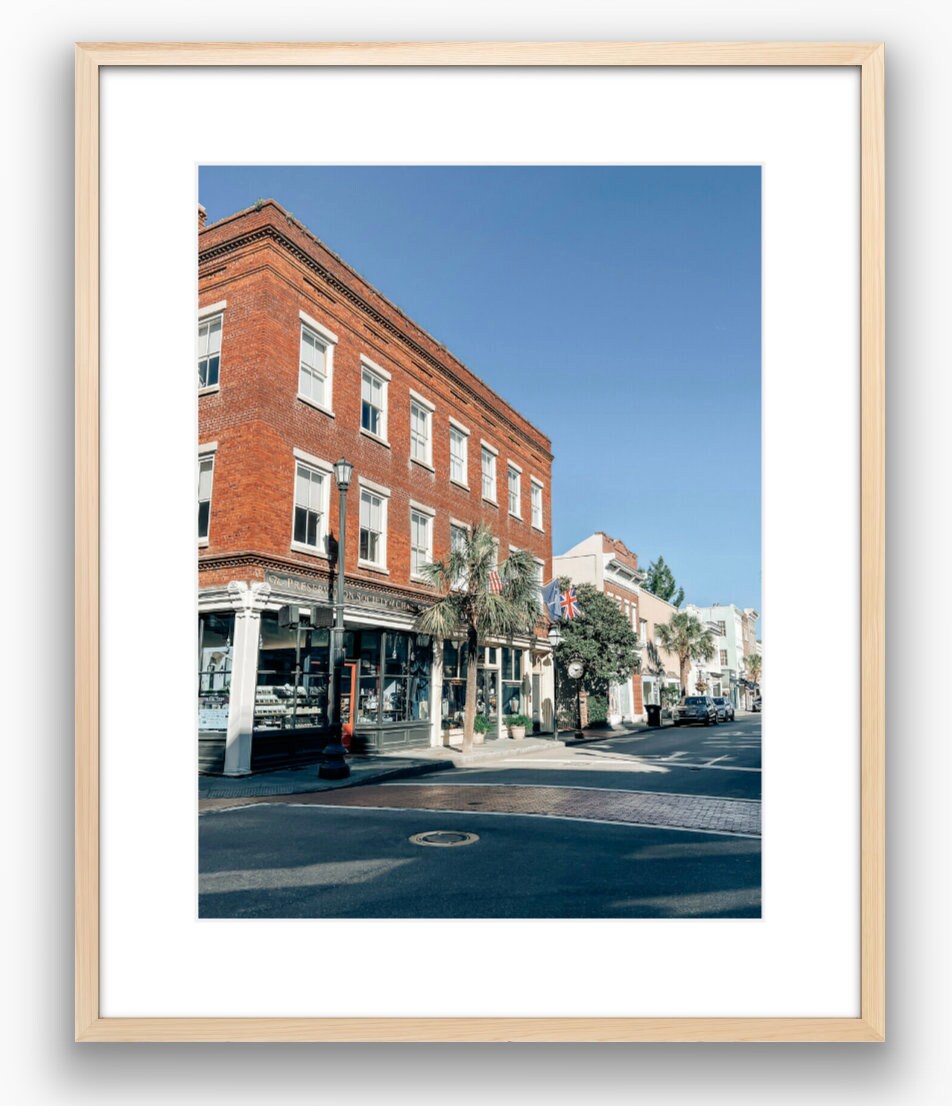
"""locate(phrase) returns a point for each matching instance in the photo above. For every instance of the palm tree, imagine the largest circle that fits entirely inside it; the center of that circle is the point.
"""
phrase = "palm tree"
(753, 663)
(469, 609)
(688, 640)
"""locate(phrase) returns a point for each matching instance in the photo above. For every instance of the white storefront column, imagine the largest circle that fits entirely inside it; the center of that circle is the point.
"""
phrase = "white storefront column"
(248, 602)
(436, 696)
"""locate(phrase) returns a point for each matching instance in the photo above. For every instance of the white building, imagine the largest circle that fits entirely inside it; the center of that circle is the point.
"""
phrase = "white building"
(734, 630)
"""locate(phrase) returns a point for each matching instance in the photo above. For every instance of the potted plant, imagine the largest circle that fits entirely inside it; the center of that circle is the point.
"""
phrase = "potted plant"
(517, 725)
(480, 729)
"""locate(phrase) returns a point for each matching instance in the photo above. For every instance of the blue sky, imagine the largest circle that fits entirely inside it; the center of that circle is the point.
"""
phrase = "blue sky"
(616, 307)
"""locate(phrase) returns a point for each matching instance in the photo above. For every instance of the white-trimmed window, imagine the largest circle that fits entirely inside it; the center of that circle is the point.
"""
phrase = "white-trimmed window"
(515, 491)
(206, 471)
(373, 402)
(535, 493)
(373, 528)
(459, 447)
(209, 351)
(421, 540)
(540, 580)
(489, 473)
(459, 536)
(316, 364)
(421, 430)
(309, 531)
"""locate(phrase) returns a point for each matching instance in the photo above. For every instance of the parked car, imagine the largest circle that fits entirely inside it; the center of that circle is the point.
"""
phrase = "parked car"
(695, 708)
(725, 708)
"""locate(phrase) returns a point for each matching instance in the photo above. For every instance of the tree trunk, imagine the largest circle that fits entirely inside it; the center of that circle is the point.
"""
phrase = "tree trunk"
(685, 672)
(469, 716)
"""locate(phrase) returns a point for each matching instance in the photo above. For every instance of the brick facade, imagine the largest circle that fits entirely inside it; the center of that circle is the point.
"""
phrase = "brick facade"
(267, 270)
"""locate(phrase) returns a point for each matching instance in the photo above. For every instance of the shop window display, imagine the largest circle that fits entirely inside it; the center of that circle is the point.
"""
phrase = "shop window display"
(215, 636)
(512, 691)
(393, 676)
(293, 676)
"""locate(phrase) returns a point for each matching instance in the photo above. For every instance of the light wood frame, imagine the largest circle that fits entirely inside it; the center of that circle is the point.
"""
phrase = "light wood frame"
(870, 1025)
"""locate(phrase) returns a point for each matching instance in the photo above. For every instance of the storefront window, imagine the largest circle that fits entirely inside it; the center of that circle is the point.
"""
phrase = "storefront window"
(512, 696)
(215, 635)
(393, 676)
(293, 676)
(453, 703)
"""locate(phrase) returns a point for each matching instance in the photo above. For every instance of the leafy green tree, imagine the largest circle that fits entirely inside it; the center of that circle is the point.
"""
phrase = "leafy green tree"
(467, 609)
(602, 639)
(684, 636)
(660, 581)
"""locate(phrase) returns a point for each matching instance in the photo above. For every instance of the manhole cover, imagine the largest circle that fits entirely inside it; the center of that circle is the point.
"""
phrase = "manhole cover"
(444, 839)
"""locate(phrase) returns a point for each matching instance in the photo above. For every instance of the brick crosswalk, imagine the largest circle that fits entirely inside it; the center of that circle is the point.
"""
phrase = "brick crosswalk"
(690, 812)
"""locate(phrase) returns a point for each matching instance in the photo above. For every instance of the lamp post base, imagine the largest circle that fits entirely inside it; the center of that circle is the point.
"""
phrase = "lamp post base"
(335, 767)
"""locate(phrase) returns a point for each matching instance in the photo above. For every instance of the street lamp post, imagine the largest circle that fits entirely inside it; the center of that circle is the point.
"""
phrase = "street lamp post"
(335, 766)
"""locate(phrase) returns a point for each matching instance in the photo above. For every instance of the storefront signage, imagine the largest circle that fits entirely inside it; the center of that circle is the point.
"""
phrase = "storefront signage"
(353, 596)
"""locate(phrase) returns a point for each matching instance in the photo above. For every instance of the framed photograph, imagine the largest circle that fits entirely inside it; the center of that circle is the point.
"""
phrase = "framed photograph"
(527, 641)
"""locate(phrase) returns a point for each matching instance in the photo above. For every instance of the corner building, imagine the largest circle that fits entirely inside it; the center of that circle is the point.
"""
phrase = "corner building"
(301, 362)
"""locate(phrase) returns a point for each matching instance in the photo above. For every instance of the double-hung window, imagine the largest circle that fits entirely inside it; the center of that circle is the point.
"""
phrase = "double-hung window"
(316, 364)
(421, 429)
(373, 528)
(421, 540)
(459, 437)
(536, 503)
(206, 470)
(489, 473)
(373, 401)
(209, 351)
(515, 491)
(459, 537)
(310, 508)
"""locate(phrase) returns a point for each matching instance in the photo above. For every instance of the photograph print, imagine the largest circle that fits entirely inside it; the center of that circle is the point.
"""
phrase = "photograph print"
(479, 542)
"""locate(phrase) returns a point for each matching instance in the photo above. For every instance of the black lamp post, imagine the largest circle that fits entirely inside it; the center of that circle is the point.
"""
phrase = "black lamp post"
(335, 766)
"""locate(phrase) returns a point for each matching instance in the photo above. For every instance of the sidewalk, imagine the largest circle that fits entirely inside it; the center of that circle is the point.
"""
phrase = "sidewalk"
(369, 769)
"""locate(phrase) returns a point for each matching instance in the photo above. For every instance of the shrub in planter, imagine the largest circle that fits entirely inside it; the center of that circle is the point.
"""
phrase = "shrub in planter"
(481, 727)
(517, 725)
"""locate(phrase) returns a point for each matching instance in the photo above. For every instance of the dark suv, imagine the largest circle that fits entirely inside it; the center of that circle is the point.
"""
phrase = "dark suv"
(695, 708)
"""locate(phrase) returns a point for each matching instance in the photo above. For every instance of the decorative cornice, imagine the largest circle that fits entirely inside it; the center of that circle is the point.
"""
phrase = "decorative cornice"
(213, 253)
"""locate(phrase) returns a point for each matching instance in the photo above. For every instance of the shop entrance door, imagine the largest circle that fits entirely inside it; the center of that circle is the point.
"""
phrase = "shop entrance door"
(487, 695)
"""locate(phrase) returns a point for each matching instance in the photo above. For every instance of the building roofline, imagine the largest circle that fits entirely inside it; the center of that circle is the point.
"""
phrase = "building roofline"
(460, 373)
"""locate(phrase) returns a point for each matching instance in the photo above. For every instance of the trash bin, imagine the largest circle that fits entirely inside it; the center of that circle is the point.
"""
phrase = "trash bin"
(654, 714)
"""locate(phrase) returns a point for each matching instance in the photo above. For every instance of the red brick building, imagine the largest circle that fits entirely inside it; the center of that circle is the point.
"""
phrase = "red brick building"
(301, 362)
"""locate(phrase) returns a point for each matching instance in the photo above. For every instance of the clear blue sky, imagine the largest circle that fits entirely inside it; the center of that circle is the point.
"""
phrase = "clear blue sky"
(616, 307)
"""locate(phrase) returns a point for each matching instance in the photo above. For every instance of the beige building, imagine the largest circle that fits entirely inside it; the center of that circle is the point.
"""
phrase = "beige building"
(654, 611)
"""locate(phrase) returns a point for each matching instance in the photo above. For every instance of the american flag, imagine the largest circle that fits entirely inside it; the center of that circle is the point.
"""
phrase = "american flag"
(495, 583)
(569, 604)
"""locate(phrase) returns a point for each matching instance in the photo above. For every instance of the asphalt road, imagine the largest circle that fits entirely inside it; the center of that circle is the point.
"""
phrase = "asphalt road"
(719, 760)
(348, 853)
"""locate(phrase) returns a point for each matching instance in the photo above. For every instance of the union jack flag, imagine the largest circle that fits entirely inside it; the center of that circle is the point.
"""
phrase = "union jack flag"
(569, 604)
(495, 583)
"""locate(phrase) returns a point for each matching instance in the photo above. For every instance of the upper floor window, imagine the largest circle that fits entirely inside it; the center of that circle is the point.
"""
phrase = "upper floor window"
(206, 470)
(723, 653)
(459, 439)
(372, 405)
(373, 528)
(421, 540)
(310, 507)
(489, 473)
(459, 536)
(209, 351)
(421, 430)
(316, 365)
(536, 496)
(515, 491)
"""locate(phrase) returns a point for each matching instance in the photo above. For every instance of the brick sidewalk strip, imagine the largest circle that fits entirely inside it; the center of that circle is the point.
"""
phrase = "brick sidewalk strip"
(691, 812)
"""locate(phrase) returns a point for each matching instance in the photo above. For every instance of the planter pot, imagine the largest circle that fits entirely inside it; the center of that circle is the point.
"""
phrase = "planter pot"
(517, 733)
(478, 738)
(452, 737)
